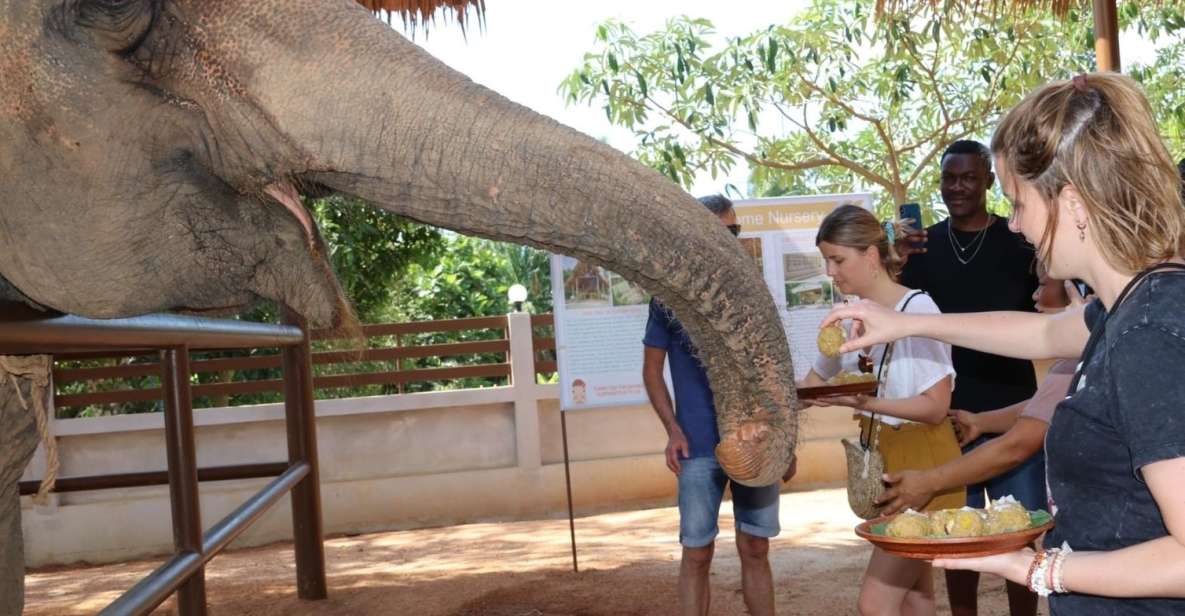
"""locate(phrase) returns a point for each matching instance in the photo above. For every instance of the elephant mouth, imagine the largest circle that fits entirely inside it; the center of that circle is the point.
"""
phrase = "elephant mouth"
(285, 194)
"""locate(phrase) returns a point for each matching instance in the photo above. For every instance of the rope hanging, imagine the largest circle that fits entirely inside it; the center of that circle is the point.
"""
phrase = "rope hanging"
(36, 368)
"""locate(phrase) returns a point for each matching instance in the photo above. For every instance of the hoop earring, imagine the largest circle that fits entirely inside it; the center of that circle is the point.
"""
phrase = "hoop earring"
(1081, 231)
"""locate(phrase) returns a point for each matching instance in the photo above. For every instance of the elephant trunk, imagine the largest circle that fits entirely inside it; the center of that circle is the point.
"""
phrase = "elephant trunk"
(395, 126)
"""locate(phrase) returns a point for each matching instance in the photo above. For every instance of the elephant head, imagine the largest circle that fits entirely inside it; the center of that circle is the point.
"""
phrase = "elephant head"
(151, 153)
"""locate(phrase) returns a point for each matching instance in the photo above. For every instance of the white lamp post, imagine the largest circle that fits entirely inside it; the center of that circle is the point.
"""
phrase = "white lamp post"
(517, 294)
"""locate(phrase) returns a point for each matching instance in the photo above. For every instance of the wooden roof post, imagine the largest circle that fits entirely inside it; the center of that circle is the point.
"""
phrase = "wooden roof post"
(1106, 35)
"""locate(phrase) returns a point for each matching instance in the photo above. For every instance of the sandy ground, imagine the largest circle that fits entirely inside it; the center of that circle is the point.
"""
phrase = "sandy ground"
(629, 564)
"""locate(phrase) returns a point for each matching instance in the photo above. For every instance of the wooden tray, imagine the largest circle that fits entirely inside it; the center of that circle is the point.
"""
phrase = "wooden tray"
(850, 389)
(953, 547)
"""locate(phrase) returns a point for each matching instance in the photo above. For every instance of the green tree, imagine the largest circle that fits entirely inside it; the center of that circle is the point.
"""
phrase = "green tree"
(373, 250)
(1163, 77)
(471, 278)
(838, 99)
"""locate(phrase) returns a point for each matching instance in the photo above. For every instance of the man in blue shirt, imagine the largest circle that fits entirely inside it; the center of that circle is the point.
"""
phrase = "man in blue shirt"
(692, 437)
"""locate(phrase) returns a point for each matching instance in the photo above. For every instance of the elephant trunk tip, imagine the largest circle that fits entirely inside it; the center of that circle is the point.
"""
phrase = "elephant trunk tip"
(749, 454)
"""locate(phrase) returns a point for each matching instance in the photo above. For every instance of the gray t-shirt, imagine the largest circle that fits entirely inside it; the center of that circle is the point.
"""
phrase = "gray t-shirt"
(1128, 412)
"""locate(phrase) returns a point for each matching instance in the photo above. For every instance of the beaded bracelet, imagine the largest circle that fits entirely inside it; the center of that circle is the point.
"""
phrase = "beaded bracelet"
(1046, 572)
(1039, 585)
(1036, 572)
(1053, 557)
(1059, 585)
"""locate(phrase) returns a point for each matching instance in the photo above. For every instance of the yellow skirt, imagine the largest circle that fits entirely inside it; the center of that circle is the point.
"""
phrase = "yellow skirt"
(919, 446)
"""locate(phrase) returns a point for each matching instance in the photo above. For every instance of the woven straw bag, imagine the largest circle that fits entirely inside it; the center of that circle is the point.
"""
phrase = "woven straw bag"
(866, 465)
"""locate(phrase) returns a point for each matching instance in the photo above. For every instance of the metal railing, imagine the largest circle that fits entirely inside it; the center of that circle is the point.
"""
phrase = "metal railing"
(24, 331)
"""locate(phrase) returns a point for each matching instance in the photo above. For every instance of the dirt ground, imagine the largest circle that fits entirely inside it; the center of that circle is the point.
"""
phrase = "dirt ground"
(629, 564)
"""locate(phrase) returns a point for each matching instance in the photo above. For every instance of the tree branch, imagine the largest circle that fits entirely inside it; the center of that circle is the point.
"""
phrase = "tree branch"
(932, 73)
(945, 128)
(749, 156)
(941, 143)
(877, 123)
(838, 158)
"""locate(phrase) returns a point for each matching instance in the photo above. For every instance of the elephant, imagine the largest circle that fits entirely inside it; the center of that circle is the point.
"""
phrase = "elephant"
(152, 154)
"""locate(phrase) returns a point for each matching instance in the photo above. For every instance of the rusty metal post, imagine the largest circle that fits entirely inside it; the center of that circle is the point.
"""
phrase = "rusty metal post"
(183, 480)
(568, 485)
(300, 418)
(1106, 35)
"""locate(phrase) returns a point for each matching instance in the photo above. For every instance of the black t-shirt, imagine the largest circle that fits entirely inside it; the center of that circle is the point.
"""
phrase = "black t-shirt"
(1000, 275)
(1128, 412)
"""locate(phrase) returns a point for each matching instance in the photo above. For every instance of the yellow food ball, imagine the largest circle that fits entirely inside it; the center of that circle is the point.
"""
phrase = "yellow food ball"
(1007, 520)
(965, 523)
(908, 525)
(938, 521)
(830, 339)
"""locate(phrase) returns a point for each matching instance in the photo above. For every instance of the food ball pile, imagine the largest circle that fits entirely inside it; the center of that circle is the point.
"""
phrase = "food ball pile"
(847, 378)
(1005, 515)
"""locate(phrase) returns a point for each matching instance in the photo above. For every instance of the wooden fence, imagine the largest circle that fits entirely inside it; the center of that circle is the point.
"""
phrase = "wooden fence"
(393, 356)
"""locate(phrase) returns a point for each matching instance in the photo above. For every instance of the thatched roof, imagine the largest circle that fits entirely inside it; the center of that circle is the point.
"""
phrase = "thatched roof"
(420, 12)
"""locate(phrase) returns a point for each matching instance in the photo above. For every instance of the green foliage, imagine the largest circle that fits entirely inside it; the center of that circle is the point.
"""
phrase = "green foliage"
(372, 250)
(471, 279)
(839, 100)
(391, 270)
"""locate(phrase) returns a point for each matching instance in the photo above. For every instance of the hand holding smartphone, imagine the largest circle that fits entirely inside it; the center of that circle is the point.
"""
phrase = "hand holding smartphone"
(910, 213)
(915, 237)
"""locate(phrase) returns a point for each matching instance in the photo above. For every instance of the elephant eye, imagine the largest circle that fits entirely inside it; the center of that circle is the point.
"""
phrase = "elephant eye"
(117, 25)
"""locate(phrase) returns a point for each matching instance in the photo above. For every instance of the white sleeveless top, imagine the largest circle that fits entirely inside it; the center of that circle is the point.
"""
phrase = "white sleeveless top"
(917, 363)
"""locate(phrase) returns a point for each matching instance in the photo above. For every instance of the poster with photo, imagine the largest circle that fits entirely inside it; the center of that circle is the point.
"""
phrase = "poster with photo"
(599, 324)
(796, 274)
(600, 317)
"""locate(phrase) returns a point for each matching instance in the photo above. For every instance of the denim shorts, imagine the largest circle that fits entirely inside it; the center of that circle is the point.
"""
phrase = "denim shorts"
(1025, 482)
(701, 489)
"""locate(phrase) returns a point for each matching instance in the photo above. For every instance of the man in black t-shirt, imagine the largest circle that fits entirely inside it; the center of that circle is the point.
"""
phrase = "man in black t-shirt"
(971, 262)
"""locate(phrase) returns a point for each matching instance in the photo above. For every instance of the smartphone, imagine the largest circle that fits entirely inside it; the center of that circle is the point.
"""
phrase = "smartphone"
(913, 212)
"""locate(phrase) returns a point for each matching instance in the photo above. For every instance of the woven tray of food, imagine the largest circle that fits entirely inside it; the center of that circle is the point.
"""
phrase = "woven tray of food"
(957, 533)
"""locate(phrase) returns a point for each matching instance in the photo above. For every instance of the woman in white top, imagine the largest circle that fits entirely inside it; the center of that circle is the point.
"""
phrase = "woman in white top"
(913, 398)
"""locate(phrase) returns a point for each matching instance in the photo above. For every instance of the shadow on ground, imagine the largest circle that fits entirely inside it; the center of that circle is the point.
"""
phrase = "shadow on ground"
(629, 564)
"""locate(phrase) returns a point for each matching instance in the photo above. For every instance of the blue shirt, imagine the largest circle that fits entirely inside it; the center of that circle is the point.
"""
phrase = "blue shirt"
(694, 408)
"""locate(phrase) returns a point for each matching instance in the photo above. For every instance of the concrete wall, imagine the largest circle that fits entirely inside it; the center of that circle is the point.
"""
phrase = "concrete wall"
(389, 462)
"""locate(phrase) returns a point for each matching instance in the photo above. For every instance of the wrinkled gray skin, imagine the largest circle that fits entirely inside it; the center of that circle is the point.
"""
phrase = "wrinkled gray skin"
(146, 147)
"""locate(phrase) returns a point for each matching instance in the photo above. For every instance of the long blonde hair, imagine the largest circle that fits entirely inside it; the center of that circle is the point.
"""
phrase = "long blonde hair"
(1097, 133)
